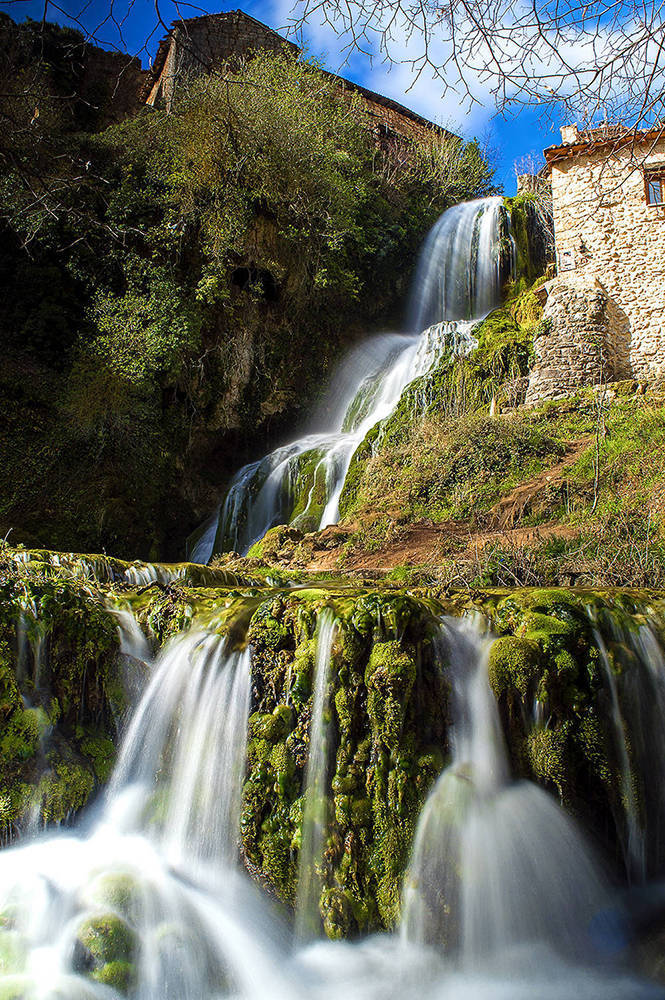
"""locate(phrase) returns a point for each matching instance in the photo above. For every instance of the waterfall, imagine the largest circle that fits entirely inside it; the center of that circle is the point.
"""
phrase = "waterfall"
(485, 874)
(315, 808)
(147, 899)
(169, 827)
(458, 281)
(633, 674)
(503, 899)
(635, 846)
(183, 757)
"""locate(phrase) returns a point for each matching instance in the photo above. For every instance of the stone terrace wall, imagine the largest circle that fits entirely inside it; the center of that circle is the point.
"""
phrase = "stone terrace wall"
(605, 230)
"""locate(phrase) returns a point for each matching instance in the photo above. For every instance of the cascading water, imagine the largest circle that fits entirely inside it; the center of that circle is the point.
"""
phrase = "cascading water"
(458, 282)
(633, 675)
(503, 898)
(155, 879)
(485, 875)
(316, 801)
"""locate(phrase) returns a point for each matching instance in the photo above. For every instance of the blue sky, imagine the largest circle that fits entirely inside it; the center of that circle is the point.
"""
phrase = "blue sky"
(509, 139)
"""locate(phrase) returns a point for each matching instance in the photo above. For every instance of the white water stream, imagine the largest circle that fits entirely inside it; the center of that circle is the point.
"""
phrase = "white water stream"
(315, 812)
(503, 899)
(486, 877)
(458, 282)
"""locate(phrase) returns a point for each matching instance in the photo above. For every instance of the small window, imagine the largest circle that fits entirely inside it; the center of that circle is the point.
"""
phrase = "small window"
(654, 186)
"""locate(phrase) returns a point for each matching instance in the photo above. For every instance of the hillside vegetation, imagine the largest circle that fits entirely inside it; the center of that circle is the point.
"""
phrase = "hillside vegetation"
(179, 285)
(463, 487)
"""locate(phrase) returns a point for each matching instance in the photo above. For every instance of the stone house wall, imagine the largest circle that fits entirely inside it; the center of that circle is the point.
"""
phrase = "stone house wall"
(606, 233)
(200, 44)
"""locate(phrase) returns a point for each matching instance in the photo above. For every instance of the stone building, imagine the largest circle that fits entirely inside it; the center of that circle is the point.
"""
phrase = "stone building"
(213, 41)
(605, 310)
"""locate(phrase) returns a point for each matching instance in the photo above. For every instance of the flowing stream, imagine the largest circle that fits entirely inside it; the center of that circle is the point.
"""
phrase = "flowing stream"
(458, 281)
(495, 849)
(314, 819)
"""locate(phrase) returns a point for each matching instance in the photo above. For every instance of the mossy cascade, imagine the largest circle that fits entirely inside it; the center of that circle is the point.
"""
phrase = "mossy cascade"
(388, 702)
(462, 268)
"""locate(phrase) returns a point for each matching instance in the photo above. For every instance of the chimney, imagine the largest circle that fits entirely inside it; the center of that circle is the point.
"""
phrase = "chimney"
(569, 134)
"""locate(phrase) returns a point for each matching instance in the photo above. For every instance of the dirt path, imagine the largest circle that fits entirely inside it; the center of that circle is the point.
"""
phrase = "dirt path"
(511, 508)
(426, 544)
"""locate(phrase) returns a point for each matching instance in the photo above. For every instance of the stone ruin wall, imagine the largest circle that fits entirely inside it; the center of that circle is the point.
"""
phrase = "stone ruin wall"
(112, 82)
(572, 347)
(605, 312)
(203, 44)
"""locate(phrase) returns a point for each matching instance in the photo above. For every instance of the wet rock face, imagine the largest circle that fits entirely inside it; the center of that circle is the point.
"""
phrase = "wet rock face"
(554, 677)
(386, 733)
(61, 695)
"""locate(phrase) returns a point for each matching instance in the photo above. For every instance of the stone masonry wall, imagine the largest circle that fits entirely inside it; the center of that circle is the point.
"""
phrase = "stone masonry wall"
(606, 231)
(202, 43)
(576, 344)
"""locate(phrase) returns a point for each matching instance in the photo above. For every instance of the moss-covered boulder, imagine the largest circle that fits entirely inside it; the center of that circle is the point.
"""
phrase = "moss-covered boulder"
(107, 938)
(514, 664)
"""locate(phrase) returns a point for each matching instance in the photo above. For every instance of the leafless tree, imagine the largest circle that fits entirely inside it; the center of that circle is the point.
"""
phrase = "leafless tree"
(582, 60)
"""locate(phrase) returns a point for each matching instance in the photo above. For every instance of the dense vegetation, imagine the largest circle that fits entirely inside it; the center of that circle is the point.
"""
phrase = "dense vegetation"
(178, 285)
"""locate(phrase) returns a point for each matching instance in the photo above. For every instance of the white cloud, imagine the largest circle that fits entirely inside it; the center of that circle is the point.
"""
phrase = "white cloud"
(519, 61)
(394, 78)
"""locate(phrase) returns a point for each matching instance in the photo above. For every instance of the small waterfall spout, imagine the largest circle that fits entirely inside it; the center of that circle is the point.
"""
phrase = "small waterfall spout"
(184, 751)
(316, 803)
(633, 676)
(486, 871)
(458, 281)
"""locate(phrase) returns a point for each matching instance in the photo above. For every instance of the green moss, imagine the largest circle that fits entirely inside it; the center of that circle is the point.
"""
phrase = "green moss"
(108, 938)
(549, 755)
(119, 975)
(9, 693)
(16, 988)
(64, 791)
(550, 632)
(271, 727)
(302, 672)
(515, 663)
(389, 677)
(337, 912)
(116, 890)
(20, 740)
(101, 752)
(310, 491)
(267, 632)
(13, 952)
(565, 664)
